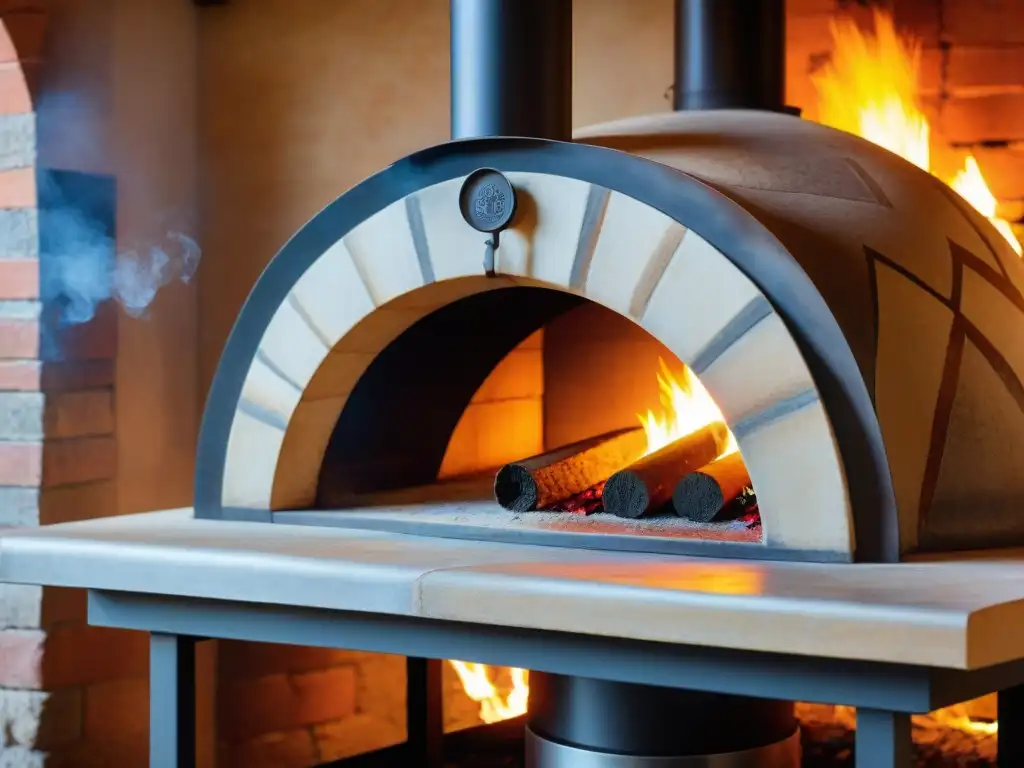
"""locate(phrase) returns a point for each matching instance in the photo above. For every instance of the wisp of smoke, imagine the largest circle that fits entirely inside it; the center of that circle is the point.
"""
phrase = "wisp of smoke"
(139, 274)
(81, 266)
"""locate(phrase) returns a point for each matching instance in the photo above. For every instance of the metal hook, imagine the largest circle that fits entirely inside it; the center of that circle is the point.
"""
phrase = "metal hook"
(489, 255)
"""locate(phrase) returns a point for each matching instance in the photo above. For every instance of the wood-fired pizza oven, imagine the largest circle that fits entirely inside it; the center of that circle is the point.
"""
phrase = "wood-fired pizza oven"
(855, 321)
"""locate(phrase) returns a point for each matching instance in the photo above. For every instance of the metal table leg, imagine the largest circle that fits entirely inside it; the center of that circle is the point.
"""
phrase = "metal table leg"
(1011, 727)
(172, 701)
(425, 712)
(883, 739)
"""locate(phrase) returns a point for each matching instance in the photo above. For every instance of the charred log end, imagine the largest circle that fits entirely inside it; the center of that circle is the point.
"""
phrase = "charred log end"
(542, 481)
(658, 473)
(698, 498)
(626, 494)
(703, 495)
(515, 489)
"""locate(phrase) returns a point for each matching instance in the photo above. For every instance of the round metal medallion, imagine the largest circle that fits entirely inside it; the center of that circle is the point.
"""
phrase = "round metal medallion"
(487, 200)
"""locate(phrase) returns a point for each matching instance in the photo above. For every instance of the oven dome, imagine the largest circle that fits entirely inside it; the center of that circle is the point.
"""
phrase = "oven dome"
(873, 313)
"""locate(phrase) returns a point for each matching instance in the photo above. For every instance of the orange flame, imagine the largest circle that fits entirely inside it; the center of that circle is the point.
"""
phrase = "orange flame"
(686, 407)
(870, 88)
(957, 717)
(970, 184)
(494, 707)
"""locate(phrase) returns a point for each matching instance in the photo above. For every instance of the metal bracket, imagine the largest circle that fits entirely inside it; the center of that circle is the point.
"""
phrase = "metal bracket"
(490, 251)
(487, 202)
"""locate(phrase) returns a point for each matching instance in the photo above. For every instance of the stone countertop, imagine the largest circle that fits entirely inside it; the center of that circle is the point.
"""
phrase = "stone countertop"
(952, 613)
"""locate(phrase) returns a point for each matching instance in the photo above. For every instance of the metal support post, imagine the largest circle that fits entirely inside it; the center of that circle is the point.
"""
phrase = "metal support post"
(883, 739)
(424, 712)
(1011, 727)
(172, 701)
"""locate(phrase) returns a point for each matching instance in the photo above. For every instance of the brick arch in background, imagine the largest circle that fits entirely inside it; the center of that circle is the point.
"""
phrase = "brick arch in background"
(22, 37)
(57, 460)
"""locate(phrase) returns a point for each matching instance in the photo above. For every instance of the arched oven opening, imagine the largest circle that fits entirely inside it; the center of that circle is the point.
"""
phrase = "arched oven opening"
(536, 411)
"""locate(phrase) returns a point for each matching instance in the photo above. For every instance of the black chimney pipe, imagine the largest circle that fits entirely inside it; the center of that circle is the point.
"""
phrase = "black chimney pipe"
(511, 66)
(730, 54)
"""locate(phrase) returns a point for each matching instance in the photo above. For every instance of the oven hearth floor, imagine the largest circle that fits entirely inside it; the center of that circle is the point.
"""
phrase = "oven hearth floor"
(465, 509)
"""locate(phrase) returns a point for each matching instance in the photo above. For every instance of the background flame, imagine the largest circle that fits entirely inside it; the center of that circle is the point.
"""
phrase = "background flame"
(494, 707)
(870, 88)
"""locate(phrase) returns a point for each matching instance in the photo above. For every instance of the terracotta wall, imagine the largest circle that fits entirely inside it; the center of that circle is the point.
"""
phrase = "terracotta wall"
(301, 101)
(599, 373)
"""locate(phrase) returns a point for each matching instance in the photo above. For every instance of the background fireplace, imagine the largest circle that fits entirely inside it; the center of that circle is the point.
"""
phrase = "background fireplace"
(279, 120)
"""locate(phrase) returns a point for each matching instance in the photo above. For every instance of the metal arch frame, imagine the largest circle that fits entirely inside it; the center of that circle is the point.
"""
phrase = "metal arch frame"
(885, 694)
(719, 220)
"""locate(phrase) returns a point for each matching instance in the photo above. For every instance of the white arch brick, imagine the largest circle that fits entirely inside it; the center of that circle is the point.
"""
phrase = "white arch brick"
(571, 236)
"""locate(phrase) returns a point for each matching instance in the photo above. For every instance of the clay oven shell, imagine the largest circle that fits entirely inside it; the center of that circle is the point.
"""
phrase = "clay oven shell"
(859, 325)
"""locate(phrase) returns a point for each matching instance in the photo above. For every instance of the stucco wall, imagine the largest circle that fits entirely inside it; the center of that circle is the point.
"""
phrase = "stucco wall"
(299, 101)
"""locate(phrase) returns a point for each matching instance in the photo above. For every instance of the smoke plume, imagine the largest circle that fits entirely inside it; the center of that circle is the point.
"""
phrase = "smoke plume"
(81, 265)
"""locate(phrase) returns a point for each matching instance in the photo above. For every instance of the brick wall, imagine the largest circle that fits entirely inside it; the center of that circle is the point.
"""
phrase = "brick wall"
(974, 72)
(293, 707)
(505, 418)
(68, 692)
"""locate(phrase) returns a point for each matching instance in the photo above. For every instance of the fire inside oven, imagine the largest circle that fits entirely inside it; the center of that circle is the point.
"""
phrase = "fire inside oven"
(589, 424)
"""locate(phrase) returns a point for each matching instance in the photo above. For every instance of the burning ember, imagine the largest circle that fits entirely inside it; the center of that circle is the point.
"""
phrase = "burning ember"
(870, 88)
(583, 503)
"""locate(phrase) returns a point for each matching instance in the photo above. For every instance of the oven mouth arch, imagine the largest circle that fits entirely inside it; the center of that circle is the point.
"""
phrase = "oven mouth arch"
(724, 224)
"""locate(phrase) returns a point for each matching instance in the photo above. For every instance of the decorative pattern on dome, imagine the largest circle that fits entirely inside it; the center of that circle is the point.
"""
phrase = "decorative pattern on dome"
(963, 356)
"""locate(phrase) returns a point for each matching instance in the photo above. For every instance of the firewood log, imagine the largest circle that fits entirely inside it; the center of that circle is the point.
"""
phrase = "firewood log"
(701, 495)
(647, 484)
(540, 481)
